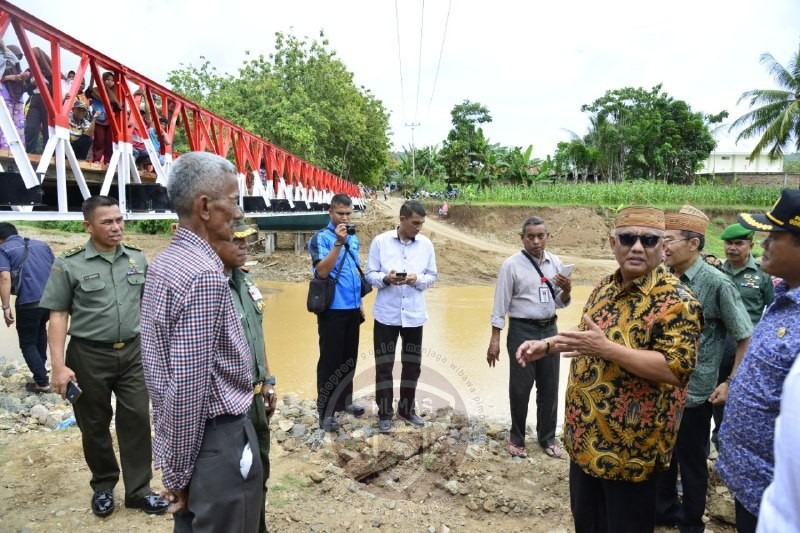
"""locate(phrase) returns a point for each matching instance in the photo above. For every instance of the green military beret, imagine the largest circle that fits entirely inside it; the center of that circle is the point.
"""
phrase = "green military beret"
(736, 231)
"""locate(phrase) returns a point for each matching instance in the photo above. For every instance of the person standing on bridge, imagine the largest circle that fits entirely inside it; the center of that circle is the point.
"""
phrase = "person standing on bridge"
(32, 259)
(334, 252)
(94, 294)
(402, 266)
(12, 89)
(529, 290)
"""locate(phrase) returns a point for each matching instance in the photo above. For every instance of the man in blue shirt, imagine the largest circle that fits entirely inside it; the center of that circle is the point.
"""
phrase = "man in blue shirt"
(31, 319)
(746, 460)
(334, 252)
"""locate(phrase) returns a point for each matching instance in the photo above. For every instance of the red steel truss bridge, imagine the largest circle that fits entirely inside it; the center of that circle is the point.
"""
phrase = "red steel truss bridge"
(52, 186)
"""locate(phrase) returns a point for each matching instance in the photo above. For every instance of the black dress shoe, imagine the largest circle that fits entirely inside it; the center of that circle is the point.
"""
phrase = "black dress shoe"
(330, 424)
(412, 419)
(103, 502)
(151, 503)
(355, 410)
(385, 425)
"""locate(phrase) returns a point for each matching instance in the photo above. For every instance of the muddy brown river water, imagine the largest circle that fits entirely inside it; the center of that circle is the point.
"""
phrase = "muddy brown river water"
(455, 339)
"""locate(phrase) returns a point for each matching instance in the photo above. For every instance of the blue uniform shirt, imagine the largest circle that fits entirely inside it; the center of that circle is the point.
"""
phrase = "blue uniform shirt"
(746, 458)
(36, 269)
(348, 287)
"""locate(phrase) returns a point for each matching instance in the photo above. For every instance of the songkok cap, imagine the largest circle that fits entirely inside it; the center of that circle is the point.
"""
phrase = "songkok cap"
(784, 215)
(689, 218)
(736, 231)
(242, 230)
(637, 215)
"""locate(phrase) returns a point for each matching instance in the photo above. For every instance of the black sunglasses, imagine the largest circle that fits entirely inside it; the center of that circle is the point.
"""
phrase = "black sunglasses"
(629, 239)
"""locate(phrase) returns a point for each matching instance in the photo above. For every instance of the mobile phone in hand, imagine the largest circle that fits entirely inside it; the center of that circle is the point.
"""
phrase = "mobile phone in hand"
(400, 274)
(73, 391)
(567, 270)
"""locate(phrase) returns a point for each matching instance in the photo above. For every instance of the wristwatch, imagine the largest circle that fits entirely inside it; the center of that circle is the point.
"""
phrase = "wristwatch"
(270, 380)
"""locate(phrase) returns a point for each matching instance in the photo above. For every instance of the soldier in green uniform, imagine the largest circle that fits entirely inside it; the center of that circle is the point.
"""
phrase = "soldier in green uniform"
(95, 290)
(248, 302)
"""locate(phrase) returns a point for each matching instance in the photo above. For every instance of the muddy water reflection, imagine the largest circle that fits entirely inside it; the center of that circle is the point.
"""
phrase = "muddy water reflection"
(454, 348)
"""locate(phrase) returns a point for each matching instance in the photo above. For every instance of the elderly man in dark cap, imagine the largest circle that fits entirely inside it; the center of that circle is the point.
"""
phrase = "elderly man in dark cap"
(747, 457)
(633, 356)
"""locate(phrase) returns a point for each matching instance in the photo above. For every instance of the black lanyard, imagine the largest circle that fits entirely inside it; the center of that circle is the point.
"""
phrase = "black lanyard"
(539, 270)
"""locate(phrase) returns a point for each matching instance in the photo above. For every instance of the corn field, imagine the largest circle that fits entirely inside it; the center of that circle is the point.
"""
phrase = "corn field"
(614, 196)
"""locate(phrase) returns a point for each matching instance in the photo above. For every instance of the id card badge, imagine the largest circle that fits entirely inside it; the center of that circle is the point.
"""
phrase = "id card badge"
(255, 294)
(544, 294)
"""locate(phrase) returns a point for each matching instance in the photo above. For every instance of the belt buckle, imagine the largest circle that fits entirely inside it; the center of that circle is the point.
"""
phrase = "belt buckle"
(257, 389)
(118, 345)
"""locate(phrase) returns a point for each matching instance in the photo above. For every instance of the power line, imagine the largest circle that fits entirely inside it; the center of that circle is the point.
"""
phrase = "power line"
(419, 65)
(400, 61)
(439, 64)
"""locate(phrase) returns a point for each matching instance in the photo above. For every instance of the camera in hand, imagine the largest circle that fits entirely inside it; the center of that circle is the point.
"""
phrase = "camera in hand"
(351, 229)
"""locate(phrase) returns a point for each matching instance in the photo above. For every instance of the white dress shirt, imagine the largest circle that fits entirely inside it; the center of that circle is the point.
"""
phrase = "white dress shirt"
(401, 305)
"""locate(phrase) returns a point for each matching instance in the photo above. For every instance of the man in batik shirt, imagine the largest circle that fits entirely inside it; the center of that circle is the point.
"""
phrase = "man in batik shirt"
(633, 356)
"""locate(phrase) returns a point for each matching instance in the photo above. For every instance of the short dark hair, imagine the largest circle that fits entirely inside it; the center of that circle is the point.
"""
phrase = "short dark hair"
(93, 202)
(341, 199)
(532, 221)
(7, 229)
(412, 207)
(694, 235)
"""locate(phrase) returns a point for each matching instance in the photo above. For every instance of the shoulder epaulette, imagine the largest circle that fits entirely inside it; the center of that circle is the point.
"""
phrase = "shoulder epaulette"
(131, 246)
(73, 251)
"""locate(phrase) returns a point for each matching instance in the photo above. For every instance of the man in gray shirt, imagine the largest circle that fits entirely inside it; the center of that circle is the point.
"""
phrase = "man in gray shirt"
(529, 290)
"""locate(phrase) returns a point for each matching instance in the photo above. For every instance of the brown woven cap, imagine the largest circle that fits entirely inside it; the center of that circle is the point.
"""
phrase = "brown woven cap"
(689, 218)
(638, 215)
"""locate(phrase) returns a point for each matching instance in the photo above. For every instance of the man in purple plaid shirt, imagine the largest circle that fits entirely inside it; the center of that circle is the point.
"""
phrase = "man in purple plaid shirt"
(197, 362)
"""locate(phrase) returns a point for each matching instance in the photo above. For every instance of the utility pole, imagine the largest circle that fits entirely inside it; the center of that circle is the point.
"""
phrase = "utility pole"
(413, 125)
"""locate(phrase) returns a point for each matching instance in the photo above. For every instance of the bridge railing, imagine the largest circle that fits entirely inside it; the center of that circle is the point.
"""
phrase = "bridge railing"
(271, 179)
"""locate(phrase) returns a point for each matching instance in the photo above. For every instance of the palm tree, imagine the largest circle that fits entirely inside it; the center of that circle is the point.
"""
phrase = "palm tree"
(777, 119)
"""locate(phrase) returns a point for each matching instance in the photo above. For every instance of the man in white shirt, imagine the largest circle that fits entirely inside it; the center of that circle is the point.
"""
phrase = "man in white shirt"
(401, 265)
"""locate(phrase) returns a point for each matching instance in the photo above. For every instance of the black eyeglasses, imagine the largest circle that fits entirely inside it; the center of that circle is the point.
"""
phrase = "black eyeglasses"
(629, 239)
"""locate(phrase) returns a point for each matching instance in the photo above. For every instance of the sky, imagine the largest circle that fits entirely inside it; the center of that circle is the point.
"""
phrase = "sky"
(532, 64)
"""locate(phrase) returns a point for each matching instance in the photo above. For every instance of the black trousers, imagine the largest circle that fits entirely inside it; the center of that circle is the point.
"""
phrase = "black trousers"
(544, 373)
(338, 331)
(100, 372)
(258, 417)
(602, 505)
(32, 332)
(385, 341)
(218, 498)
(81, 146)
(746, 521)
(690, 456)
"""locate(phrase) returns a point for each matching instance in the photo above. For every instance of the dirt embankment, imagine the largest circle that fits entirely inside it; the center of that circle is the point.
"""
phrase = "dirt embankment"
(45, 480)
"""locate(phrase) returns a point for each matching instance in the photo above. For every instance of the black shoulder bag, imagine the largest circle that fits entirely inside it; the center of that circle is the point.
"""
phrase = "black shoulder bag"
(16, 275)
(542, 276)
(366, 288)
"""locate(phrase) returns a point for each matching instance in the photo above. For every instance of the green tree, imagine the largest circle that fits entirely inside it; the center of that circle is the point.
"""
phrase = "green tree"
(777, 119)
(460, 153)
(302, 98)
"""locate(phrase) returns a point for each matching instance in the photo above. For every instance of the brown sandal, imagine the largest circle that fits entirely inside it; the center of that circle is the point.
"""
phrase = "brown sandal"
(554, 451)
(516, 451)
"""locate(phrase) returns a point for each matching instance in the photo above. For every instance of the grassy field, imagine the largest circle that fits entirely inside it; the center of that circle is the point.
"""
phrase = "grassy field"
(616, 196)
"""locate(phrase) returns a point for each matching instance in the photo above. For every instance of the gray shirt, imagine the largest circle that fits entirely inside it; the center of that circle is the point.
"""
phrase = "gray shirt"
(517, 292)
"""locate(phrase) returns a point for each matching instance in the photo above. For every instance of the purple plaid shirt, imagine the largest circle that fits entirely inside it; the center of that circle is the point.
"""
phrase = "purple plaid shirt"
(195, 355)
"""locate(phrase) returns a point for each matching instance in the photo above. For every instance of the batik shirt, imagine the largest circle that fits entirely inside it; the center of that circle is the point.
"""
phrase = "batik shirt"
(620, 426)
(747, 458)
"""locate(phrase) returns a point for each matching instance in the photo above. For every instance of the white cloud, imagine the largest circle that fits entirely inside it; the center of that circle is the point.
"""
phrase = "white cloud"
(532, 64)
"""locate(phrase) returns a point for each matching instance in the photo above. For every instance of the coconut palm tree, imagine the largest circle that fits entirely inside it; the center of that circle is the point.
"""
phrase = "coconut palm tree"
(777, 119)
